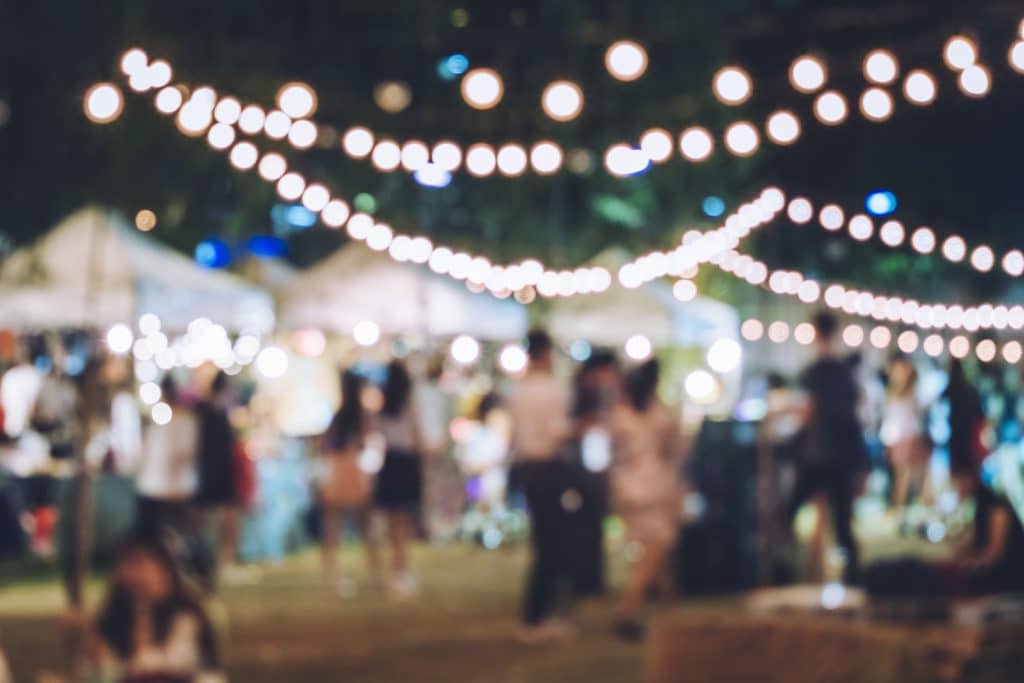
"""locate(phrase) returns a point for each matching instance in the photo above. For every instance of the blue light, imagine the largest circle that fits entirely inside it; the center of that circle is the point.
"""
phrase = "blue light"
(713, 206)
(267, 246)
(299, 216)
(213, 253)
(881, 203)
(579, 350)
(452, 66)
(432, 175)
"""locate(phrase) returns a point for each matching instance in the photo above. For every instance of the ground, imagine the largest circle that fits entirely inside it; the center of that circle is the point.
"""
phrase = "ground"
(286, 627)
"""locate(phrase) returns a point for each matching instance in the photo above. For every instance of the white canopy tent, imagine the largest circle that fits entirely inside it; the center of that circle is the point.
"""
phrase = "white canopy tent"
(612, 317)
(356, 284)
(94, 270)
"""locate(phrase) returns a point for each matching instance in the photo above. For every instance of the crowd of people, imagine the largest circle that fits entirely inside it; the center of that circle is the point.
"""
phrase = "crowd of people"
(574, 452)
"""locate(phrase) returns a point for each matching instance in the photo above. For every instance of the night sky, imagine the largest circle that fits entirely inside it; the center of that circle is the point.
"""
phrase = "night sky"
(954, 166)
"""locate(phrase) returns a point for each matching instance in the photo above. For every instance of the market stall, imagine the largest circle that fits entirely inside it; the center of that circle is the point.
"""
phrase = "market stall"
(95, 270)
(356, 284)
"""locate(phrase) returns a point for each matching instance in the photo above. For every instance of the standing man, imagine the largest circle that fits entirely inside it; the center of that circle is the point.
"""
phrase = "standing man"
(833, 452)
(539, 408)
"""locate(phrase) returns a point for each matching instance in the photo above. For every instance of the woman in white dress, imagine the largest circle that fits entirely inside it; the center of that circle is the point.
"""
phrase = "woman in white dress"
(902, 434)
(646, 488)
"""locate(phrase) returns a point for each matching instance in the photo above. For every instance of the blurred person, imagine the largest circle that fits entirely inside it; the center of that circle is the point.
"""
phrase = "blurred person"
(345, 488)
(166, 478)
(484, 456)
(991, 561)
(833, 454)
(149, 628)
(597, 389)
(216, 492)
(55, 413)
(19, 388)
(539, 409)
(442, 483)
(646, 491)
(399, 486)
(125, 427)
(902, 432)
(967, 422)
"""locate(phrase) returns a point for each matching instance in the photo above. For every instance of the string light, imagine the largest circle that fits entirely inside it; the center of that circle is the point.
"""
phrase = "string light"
(807, 74)
(919, 87)
(480, 160)
(959, 53)
(302, 134)
(656, 144)
(292, 186)
(103, 103)
(742, 139)
(696, 143)
(297, 100)
(830, 108)
(169, 100)
(881, 67)
(732, 85)
(482, 88)
(562, 100)
(783, 128)
(387, 155)
(975, 81)
(1016, 56)
(876, 104)
(626, 60)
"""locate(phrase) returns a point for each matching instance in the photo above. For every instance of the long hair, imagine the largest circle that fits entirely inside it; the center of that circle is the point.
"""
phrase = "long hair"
(397, 389)
(905, 386)
(116, 621)
(347, 423)
(641, 384)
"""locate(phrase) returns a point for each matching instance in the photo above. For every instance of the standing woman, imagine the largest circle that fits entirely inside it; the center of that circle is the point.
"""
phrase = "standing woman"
(217, 493)
(346, 488)
(400, 480)
(646, 491)
(902, 433)
(966, 421)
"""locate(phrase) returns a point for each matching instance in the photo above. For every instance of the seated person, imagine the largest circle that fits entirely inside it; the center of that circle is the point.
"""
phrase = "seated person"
(992, 562)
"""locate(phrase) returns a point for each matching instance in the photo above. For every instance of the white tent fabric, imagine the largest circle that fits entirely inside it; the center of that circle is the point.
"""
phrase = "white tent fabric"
(94, 270)
(356, 284)
(612, 317)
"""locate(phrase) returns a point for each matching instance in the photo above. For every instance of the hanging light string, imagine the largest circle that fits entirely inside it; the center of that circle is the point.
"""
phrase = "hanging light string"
(882, 337)
(893, 234)
(563, 100)
(867, 304)
(525, 279)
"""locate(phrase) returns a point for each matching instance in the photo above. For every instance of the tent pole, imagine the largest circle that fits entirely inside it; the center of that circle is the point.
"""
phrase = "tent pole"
(82, 489)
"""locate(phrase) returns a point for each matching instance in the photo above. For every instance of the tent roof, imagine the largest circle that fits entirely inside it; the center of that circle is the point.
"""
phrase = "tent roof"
(356, 283)
(94, 269)
(613, 316)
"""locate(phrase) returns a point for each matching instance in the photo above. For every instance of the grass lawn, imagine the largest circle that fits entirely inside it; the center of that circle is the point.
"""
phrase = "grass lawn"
(285, 627)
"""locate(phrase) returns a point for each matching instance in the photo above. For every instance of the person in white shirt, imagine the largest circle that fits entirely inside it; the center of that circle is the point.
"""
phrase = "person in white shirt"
(166, 479)
(539, 410)
(18, 391)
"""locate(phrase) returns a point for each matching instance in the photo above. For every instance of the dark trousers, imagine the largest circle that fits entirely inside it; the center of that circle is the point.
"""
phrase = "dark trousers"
(839, 488)
(545, 483)
(156, 517)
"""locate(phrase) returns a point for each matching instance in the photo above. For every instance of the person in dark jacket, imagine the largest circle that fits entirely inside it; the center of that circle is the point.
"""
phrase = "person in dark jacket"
(217, 493)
